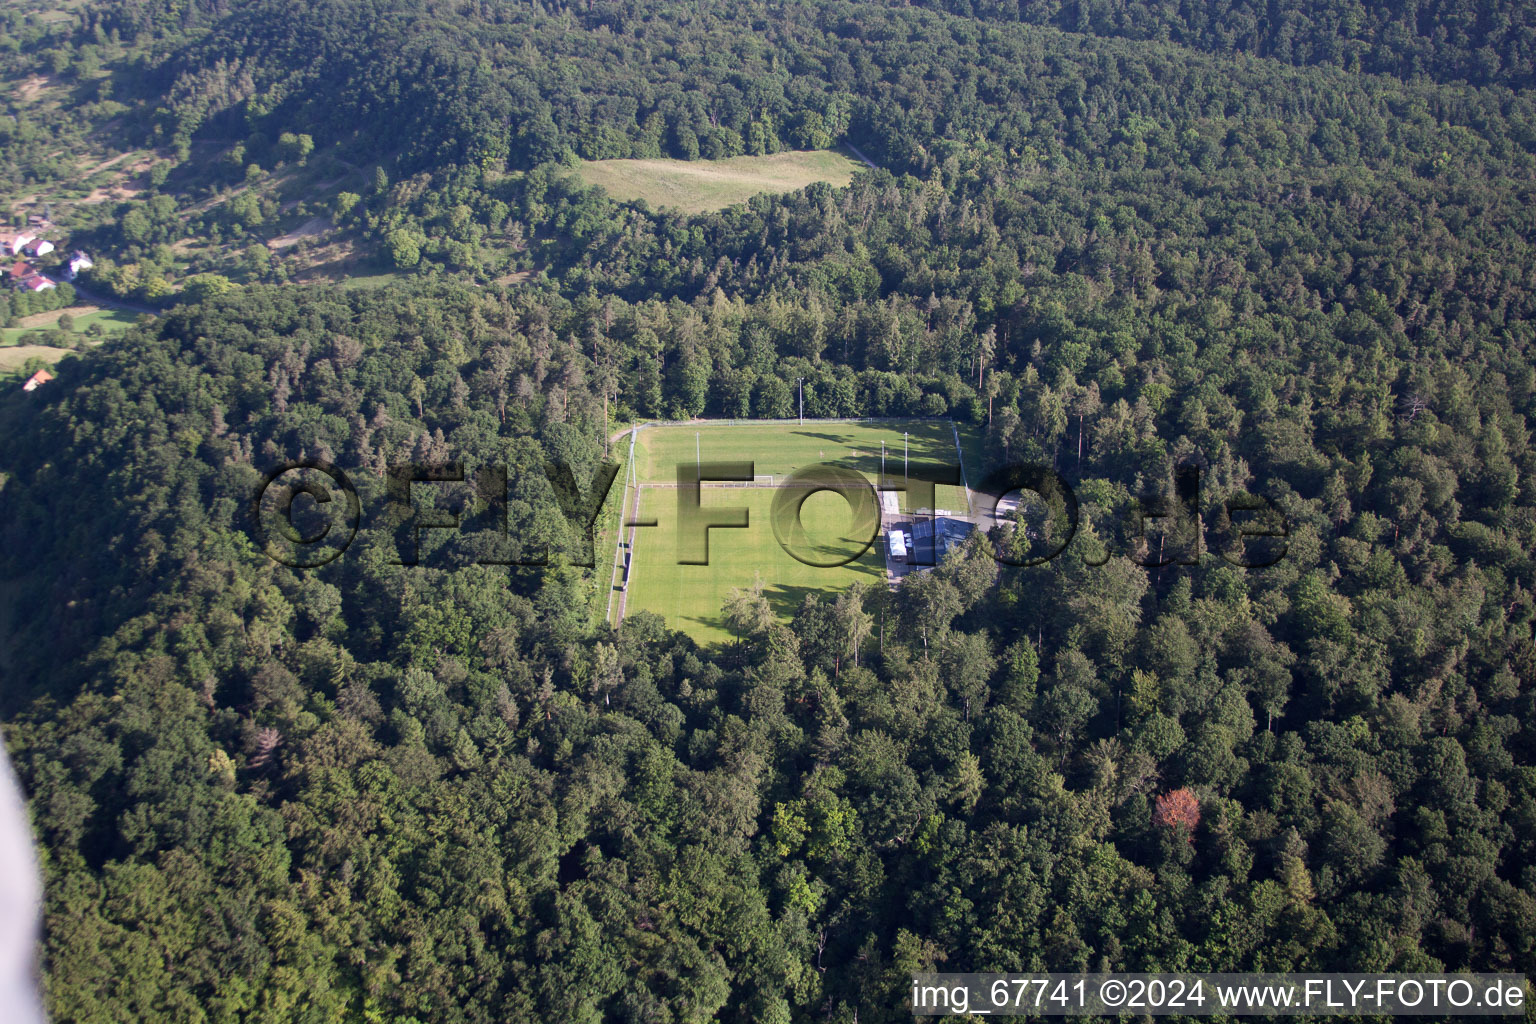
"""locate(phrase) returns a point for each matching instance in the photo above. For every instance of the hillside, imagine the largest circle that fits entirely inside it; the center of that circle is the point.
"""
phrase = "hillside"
(196, 144)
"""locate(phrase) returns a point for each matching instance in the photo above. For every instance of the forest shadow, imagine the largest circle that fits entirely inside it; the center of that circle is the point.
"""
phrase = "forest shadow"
(716, 621)
(785, 599)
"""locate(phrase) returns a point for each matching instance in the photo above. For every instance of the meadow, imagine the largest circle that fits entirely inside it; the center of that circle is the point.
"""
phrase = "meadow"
(700, 186)
(84, 316)
(12, 357)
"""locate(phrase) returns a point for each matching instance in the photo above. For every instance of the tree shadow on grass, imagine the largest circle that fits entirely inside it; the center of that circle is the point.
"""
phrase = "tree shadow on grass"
(784, 600)
(716, 621)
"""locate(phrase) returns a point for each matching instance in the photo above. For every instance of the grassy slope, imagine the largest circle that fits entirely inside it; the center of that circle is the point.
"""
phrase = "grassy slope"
(690, 597)
(109, 319)
(13, 357)
(696, 186)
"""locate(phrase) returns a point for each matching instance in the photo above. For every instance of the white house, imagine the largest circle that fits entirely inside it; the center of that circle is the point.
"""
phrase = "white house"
(78, 262)
(15, 241)
(37, 283)
(39, 247)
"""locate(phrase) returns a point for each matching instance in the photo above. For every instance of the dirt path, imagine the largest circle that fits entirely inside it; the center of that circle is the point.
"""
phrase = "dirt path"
(309, 229)
(81, 292)
(110, 161)
(32, 88)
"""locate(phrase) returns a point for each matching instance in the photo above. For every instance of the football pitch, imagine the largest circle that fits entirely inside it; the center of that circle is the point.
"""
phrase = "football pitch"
(690, 597)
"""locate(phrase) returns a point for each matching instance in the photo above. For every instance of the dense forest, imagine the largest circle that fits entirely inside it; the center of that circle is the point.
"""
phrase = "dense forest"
(440, 139)
(1291, 247)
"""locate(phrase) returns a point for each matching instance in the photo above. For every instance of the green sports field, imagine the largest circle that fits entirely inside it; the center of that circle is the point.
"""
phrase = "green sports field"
(690, 597)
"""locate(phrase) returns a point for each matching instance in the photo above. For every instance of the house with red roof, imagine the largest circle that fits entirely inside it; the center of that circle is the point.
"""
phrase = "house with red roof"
(37, 380)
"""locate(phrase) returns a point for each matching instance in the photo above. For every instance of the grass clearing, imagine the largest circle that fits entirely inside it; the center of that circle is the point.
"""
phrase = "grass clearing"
(698, 186)
(85, 315)
(51, 317)
(380, 279)
(12, 358)
(690, 597)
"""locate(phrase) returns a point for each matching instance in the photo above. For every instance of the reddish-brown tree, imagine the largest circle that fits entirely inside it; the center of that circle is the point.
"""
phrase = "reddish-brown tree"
(267, 742)
(1180, 807)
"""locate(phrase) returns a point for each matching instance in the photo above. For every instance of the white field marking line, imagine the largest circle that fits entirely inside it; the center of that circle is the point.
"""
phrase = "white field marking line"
(618, 549)
(634, 516)
(633, 530)
(959, 455)
(618, 544)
